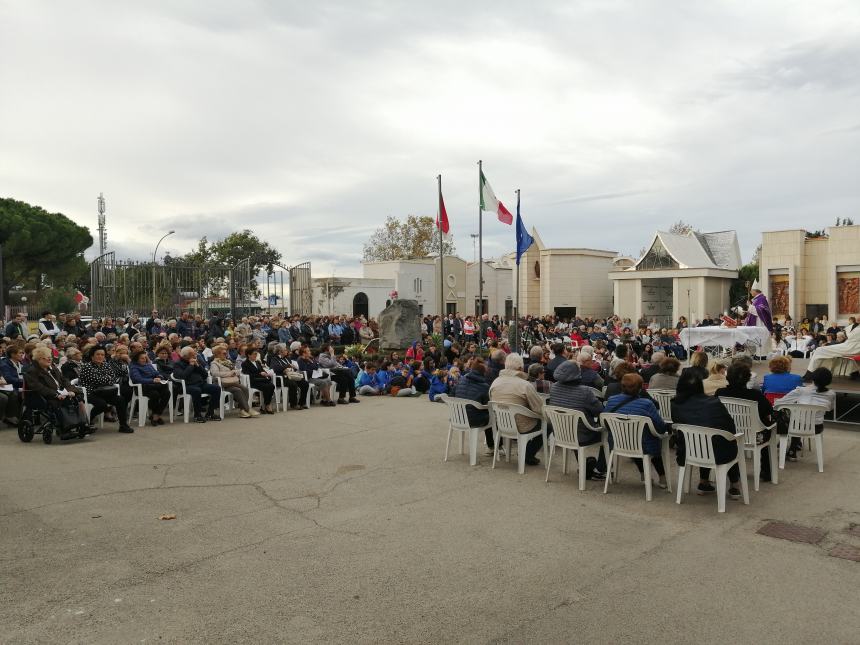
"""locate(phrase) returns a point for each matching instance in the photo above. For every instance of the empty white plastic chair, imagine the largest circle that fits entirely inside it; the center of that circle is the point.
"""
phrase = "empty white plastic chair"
(699, 448)
(801, 424)
(503, 418)
(458, 421)
(565, 422)
(663, 399)
(748, 422)
(627, 434)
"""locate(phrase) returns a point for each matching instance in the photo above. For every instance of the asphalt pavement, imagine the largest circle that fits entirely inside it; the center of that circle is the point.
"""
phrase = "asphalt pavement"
(343, 525)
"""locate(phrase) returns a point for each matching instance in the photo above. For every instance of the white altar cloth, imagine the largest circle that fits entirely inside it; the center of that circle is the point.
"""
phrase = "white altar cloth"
(725, 337)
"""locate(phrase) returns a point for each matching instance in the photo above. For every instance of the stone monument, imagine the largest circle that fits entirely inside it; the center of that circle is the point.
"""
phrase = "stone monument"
(399, 324)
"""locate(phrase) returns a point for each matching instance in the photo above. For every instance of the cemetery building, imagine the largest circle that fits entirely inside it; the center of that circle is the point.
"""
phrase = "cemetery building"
(805, 276)
(418, 280)
(350, 296)
(679, 275)
(564, 281)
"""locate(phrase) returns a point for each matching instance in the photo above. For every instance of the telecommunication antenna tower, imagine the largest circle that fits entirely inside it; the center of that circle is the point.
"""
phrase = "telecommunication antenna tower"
(102, 228)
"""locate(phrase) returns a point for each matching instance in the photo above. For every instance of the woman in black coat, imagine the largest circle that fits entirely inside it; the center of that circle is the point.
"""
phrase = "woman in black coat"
(691, 406)
(738, 377)
(260, 378)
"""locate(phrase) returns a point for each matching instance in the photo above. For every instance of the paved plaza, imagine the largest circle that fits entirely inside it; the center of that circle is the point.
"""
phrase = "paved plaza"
(344, 525)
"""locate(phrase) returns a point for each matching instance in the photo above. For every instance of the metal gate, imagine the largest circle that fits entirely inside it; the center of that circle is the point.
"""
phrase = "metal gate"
(130, 287)
(301, 290)
(277, 286)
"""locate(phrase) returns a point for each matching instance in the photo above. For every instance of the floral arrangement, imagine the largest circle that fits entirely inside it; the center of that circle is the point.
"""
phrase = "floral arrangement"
(393, 295)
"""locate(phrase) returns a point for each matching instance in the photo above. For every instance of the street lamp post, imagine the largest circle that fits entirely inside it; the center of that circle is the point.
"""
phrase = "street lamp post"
(154, 253)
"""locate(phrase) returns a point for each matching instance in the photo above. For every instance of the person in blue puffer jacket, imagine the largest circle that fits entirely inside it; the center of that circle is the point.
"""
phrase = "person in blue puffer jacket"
(629, 402)
(438, 385)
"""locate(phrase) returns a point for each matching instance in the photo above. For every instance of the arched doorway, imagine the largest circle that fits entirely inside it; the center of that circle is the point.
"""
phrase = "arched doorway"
(359, 305)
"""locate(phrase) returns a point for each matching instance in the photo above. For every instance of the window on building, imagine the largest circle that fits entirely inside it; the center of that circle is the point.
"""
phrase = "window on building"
(657, 258)
(416, 285)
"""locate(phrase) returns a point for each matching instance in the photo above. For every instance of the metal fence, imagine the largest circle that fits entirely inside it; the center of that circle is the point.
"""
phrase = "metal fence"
(123, 288)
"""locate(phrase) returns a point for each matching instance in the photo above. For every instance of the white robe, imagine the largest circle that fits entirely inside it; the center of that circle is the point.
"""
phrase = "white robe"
(825, 356)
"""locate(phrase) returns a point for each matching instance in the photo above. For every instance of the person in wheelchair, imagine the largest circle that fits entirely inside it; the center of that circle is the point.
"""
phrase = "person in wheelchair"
(48, 389)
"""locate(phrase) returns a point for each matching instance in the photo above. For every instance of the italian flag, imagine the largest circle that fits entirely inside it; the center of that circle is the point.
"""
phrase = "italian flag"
(491, 204)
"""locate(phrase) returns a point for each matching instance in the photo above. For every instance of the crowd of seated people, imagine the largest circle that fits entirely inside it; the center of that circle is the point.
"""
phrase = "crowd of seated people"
(460, 356)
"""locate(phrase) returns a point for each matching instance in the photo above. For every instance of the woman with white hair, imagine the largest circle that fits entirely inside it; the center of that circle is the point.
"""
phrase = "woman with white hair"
(512, 386)
(590, 375)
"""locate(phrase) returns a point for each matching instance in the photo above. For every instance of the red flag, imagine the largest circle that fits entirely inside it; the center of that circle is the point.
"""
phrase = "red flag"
(504, 215)
(442, 216)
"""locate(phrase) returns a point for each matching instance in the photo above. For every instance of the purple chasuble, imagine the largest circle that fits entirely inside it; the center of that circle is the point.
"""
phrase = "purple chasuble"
(762, 311)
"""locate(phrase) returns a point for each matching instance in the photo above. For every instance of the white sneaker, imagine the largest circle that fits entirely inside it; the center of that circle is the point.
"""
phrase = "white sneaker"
(254, 413)
(244, 414)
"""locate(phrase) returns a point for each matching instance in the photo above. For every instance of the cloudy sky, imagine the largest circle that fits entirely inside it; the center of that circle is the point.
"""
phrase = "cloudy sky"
(310, 122)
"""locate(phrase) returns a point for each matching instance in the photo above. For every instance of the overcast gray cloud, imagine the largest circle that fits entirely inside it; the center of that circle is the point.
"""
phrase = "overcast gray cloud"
(310, 122)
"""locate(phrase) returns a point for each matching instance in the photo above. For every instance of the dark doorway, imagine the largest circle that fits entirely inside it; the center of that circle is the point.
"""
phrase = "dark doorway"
(486, 308)
(360, 306)
(509, 309)
(450, 308)
(816, 311)
(566, 312)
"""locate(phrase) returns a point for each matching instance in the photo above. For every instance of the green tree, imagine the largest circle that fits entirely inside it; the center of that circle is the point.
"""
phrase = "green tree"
(409, 239)
(739, 290)
(230, 251)
(40, 249)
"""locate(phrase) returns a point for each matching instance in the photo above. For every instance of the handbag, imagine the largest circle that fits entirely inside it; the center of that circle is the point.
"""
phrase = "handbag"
(294, 376)
(69, 416)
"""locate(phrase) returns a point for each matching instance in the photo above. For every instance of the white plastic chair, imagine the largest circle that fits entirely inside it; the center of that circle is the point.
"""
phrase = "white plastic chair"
(747, 421)
(699, 447)
(663, 399)
(458, 421)
(504, 422)
(142, 402)
(227, 402)
(245, 380)
(182, 397)
(565, 422)
(627, 434)
(801, 424)
(281, 396)
(139, 401)
(89, 406)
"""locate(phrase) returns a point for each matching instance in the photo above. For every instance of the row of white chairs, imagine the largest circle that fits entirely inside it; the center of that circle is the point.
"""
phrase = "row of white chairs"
(627, 434)
(181, 402)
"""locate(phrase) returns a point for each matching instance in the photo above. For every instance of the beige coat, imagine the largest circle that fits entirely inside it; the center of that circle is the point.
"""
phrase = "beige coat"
(229, 375)
(714, 382)
(512, 387)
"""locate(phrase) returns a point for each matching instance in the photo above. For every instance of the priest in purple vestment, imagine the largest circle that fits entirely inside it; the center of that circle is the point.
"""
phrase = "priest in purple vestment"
(758, 310)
